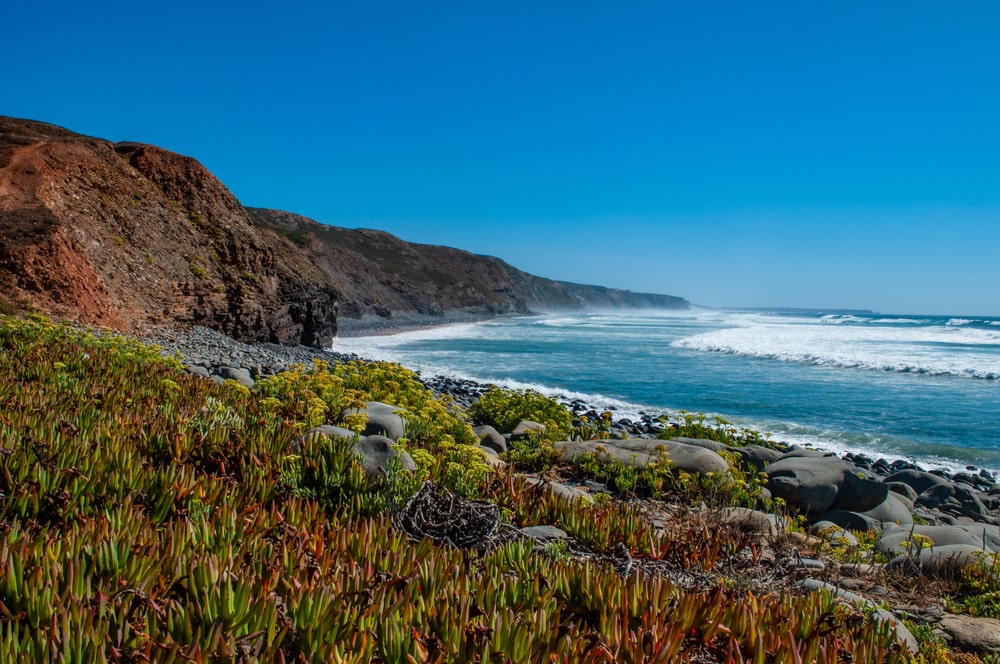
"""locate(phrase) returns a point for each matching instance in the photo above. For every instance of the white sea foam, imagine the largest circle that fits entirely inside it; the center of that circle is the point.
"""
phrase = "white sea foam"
(932, 350)
(957, 322)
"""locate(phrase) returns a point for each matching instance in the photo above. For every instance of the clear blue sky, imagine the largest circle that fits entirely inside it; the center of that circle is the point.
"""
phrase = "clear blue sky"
(838, 154)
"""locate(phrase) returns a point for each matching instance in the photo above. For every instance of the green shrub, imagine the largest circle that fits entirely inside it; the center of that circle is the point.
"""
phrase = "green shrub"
(504, 409)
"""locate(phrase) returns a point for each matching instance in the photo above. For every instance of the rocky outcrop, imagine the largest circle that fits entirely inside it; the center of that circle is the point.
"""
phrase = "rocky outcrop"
(128, 235)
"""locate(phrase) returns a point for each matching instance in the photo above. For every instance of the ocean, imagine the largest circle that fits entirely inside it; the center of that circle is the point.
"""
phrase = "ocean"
(924, 388)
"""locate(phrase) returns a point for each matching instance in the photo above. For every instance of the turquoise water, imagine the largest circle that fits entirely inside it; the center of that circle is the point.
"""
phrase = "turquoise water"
(920, 387)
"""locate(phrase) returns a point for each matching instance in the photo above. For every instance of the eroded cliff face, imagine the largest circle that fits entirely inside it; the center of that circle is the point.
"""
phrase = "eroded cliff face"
(131, 235)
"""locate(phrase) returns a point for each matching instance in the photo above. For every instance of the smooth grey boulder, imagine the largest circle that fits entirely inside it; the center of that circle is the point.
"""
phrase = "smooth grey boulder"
(833, 533)
(981, 536)
(241, 376)
(490, 437)
(971, 634)
(892, 510)
(757, 456)
(562, 490)
(903, 491)
(939, 561)
(955, 499)
(383, 419)
(377, 453)
(919, 480)
(816, 484)
(524, 428)
(851, 520)
(197, 370)
(713, 445)
(641, 452)
(797, 452)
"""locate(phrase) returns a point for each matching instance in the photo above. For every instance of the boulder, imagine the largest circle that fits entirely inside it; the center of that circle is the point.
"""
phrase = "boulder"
(641, 452)
(833, 533)
(713, 445)
(851, 521)
(570, 493)
(939, 561)
(768, 525)
(815, 484)
(383, 419)
(198, 370)
(977, 635)
(241, 376)
(955, 499)
(757, 456)
(892, 510)
(490, 437)
(980, 536)
(525, 427)
(919, 480)
(904, 490)
(377, 452)
(327, 430)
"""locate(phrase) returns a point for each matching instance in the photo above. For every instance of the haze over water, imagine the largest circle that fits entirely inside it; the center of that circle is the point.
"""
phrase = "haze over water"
(920, 387)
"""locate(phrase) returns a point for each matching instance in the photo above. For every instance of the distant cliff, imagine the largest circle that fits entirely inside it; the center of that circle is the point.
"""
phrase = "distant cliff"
(130, 235)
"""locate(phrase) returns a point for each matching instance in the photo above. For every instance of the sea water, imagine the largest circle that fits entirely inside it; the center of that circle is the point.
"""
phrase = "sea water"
(925, 388)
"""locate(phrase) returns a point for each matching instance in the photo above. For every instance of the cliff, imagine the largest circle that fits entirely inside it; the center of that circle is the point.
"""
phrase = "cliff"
(128, 235)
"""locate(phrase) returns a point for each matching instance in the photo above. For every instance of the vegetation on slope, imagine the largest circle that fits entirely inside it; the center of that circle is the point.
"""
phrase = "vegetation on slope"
(147, 515)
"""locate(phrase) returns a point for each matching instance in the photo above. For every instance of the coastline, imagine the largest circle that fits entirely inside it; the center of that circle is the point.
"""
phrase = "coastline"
(402, 321)
(211, 354)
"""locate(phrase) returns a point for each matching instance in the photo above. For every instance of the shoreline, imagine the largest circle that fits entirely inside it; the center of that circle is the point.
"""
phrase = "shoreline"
(399, 322)
(211, 354)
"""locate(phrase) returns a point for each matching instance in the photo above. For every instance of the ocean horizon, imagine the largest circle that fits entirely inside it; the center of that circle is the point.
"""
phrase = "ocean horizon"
(915, 387)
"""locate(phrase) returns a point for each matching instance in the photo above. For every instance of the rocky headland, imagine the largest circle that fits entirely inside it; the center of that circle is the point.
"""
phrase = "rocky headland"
(128, 236)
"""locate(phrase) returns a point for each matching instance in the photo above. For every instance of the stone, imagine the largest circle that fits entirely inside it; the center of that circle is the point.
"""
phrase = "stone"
(641, 452)
(757, 457)
(490, 437)
(562, 490)
(377, 453)
(918, 480)
(833, 533)
(977, 635)
(768, 525)
(892, 510)
(982, 536)
(808, 483)
(198, 370)
(327, 430)
(524, 428)
(939, 561)
(544, 533)
(383, 419)
(705, 443)
(860, 494)
(241, 376)
(851, 520)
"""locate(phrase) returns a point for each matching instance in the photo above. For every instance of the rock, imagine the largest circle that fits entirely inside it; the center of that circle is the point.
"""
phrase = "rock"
(490, 437)
(860, 495)
(641, 452)
(833, 533)
(815, 484)
(918, 480)
(982, 536)
(955, 499)
(806, 563)
(561, 490)
(705, 443)
(757, 456)
(383, 419)
(940, 561)
(327, 430)
(768, 525)
(851, 520)
(890, 511)
(903, 635)
(524, 427)
(241, 376)
(977, 635)
(544, 533)
(377, 452)
(198, 370)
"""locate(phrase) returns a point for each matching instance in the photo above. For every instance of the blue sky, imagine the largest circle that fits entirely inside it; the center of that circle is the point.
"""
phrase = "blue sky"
(737, 154)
